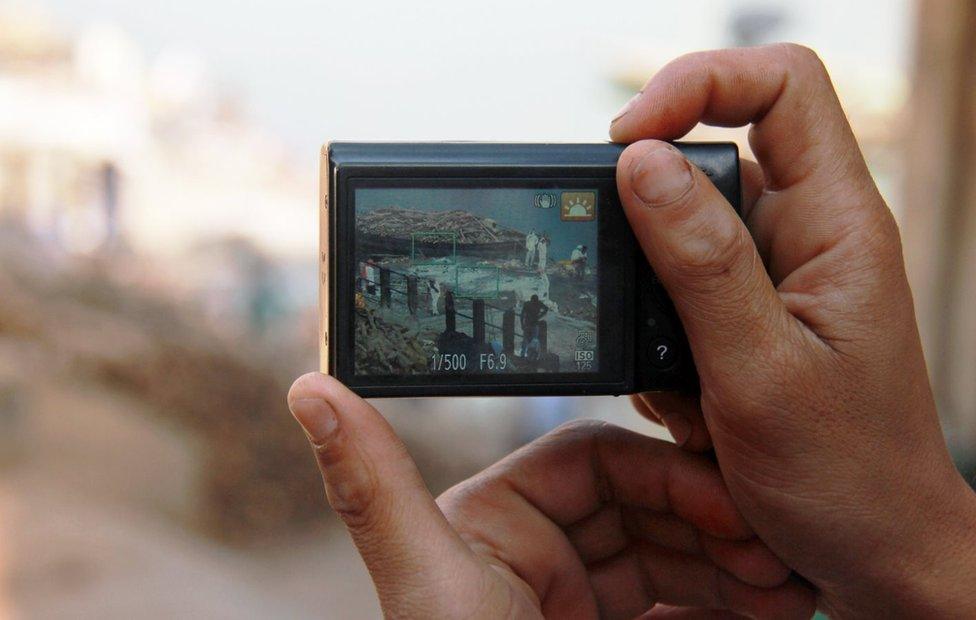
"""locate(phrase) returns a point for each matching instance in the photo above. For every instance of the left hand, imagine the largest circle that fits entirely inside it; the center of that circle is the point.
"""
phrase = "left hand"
(590, 520)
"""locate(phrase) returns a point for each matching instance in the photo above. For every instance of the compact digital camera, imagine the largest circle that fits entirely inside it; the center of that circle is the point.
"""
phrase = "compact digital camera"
(473, 269)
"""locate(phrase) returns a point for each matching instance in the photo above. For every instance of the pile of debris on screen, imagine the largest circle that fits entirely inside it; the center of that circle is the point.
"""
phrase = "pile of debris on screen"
(397, 222)
(387, 348)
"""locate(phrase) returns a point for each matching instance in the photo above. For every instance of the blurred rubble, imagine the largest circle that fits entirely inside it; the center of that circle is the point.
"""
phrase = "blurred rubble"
(92, 325)
(137, 440)
(400, 223)
(84, 325)
(13, 422)
(387, 348)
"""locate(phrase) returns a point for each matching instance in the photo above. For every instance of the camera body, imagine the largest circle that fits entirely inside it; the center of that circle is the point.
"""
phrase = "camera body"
(479, 269)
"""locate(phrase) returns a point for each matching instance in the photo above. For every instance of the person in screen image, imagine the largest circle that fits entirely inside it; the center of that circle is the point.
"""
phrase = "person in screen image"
(544, 290)
(531, 244)
(363, 277)
(543, 250)
(372, 277)
(578, 259)
(532, 312)
(434, 295)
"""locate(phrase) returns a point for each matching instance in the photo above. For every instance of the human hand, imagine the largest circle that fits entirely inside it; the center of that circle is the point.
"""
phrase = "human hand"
(589, 520)
(814, 389)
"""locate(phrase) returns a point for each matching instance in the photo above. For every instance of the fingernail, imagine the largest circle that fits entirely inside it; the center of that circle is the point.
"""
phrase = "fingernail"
(661, 176)
(626, 108)
(678, 426)
(317, 418)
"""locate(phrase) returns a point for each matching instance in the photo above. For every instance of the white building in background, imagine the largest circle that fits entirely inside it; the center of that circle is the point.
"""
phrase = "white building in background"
(63, 132)
(99, 146)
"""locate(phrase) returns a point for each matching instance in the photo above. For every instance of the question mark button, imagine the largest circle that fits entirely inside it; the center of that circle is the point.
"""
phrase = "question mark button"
(661, 353)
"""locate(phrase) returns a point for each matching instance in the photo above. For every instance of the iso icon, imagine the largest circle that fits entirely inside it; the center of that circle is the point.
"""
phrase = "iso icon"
(585, 356)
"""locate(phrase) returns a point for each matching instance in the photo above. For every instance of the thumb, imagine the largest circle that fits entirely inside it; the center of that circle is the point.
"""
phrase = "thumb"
(702, 252)
(374, 486)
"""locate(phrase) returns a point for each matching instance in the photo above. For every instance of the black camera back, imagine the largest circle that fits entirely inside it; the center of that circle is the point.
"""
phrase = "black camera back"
(494, 269)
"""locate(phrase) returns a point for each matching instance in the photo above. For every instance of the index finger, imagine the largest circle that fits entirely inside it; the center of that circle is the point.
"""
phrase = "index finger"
(784, 91)
(590, 503)
(570, 474)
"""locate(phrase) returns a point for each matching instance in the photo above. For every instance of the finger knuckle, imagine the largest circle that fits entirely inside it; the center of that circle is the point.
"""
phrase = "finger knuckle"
(803, 58)
(455, 504)
(358, 509)
(350, 489)
(465, 501)
(578, 427)
(693, 60)
(709, 249)
(579, 430)
(689, 68)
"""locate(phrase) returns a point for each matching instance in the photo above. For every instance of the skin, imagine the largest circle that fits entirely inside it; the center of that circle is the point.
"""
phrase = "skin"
(814, 390)
(589, 521)
(814, 398)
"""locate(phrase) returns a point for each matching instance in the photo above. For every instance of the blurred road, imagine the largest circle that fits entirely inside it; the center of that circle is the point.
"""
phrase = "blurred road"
(149, 468)
(90, 527)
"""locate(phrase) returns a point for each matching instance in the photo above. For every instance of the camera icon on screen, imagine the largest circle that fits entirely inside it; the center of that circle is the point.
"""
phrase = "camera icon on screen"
(544, 200)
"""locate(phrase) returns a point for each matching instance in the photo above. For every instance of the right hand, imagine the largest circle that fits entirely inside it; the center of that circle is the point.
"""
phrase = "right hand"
(814, 389)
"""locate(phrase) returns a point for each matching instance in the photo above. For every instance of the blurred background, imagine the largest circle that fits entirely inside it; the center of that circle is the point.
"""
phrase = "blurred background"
(158, 231)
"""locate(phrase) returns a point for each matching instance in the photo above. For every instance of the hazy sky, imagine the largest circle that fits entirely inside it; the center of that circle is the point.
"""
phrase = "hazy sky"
(510, 69)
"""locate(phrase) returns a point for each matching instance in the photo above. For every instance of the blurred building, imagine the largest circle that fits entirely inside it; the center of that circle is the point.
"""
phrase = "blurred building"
(66, 129)
(102, 151)
(100, 146)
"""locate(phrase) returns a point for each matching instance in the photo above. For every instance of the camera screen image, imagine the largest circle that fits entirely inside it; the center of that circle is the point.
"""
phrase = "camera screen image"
(475, 281)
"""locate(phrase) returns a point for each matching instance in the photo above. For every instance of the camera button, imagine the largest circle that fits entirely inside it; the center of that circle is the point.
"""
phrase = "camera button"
(661, 353)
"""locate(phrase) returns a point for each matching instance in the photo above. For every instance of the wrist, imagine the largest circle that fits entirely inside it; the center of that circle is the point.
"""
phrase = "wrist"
(931, 572)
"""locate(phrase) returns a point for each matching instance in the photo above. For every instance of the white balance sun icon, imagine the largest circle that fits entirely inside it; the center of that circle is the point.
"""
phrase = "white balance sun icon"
(578, 207)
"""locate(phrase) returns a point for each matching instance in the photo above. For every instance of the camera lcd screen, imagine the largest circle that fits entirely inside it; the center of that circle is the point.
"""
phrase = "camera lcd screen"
(453, 281)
